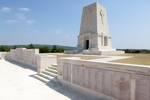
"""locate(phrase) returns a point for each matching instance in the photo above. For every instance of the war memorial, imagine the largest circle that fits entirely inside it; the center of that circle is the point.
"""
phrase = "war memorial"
(90, 68)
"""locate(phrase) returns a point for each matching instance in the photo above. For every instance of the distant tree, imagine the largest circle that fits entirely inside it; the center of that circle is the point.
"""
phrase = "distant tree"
(30, 46)
(136, 51)
(44, 49)
(54, 49)
(14, 47)
(60, 50)
(4, 48)
(127, 51)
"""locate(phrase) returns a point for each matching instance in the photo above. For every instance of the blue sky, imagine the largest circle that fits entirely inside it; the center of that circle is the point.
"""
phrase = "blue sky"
(58, 22)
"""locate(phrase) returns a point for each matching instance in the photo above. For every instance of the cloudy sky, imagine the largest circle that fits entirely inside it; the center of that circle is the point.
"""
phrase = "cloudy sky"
(58, 22)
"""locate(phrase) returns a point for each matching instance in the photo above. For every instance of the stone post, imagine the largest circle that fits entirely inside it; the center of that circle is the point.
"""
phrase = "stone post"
(133, 87)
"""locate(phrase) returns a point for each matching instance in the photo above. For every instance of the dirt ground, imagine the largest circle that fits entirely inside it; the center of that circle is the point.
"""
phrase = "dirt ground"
(140, 59)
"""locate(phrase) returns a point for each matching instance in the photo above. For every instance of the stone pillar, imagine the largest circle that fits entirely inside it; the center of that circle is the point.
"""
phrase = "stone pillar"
(71, 74)
(133, 87)
(59, 68)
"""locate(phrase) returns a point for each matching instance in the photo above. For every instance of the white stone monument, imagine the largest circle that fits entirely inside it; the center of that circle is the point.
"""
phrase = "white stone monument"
(94, 37)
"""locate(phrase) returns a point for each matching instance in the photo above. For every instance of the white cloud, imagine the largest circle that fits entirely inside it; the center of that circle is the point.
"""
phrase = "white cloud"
(30, 21)
(21, 16)
(10, 21)
(25, 18)
(18, 16)
(25, 9)
(27, 21)
(5, 9)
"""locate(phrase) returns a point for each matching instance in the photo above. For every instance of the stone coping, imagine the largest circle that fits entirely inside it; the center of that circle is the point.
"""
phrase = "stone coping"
(129, 68)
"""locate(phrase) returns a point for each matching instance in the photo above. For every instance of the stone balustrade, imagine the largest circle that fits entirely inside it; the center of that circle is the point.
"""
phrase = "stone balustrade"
(118, 81)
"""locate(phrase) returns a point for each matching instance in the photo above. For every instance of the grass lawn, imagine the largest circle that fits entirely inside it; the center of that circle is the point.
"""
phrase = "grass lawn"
(141, 59)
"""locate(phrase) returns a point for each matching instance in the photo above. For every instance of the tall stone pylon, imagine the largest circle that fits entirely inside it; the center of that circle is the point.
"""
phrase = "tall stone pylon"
(94, 37)
(94, 32)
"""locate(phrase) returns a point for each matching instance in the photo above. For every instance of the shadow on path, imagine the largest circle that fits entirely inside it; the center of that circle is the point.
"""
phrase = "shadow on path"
(23, 65)
(70, 92)
(62, 89)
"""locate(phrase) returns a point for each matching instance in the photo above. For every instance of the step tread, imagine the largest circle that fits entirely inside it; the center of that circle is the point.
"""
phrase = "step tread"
(50, 73)
(52, 67)
(46, 76)
(41, 78)
(51, 70)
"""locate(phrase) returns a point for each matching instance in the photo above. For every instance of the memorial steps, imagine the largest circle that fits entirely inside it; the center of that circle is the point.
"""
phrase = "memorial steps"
(50, 73)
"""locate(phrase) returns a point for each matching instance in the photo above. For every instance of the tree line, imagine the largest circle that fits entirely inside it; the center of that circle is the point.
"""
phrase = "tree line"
(57, 49)
(135, 50)
(42, 49)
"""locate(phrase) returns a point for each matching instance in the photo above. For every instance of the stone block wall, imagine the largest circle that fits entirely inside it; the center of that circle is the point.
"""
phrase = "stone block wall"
(23, 56)
(2, 54)
(121, 82)
(45, 61)
(31, 57)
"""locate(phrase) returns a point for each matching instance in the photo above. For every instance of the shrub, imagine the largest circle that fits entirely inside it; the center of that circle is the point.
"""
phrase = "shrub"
(44, 49)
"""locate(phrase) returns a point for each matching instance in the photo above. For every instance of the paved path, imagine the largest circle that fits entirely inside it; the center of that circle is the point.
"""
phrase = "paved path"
(17, 83)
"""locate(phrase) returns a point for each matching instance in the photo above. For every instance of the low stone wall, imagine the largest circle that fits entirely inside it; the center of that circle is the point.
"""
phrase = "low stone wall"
(121, 82)
(46, 60)
(30, 57)
(94, 52)
(23, 56)
(2, 55)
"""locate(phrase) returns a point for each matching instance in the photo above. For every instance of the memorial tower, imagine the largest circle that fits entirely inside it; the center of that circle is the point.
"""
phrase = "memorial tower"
(94, 31)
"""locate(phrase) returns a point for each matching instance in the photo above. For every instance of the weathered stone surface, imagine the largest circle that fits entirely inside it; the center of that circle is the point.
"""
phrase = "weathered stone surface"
(31, 57)
(94, 37)
(119, 81)
(142, 87)
(94, 28)
(24, 56)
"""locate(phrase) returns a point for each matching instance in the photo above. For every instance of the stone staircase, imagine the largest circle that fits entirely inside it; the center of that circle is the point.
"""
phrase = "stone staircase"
(50, 73)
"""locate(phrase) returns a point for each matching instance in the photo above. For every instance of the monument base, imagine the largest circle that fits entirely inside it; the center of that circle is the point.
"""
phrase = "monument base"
(106, 52)
(95, 52)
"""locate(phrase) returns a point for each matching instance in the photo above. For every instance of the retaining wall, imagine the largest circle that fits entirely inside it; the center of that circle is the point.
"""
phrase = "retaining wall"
(46, 60)
(30, 57)
(23, 56)
(2, 54)
(118, 81)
